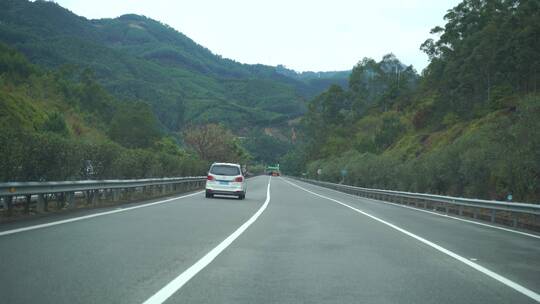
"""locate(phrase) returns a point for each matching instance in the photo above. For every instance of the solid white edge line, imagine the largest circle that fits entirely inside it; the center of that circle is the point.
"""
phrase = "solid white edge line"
(432, 212)
(456, 218)
(168, 290)
(80, 218)
(523, 290)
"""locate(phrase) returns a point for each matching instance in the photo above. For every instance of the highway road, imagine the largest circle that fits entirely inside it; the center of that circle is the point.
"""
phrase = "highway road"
(287, 242)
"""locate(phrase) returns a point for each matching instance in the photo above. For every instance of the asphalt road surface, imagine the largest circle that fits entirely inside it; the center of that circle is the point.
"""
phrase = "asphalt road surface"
(287, 242)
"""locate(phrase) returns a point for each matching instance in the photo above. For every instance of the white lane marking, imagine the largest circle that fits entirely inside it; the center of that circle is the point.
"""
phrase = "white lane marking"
(462, 219)
(435, 213)
(529, 293)
(80, 218)
(163, 294)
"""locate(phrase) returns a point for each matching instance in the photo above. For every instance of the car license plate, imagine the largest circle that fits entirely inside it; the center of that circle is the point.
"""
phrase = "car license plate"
(223, 183)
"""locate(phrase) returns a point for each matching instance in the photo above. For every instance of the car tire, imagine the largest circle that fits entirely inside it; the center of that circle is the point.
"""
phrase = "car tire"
(209, 195)
(242, 196)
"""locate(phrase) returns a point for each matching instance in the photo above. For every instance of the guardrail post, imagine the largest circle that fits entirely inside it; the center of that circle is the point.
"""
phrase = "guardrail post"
(102, 196)
(40, 207)
(115, 194)
(60, 200)
(70, 199)
(493, 215)
(28, 199)
(90, 197)
(514, 220)
(475, 213)
(460, 210)
(8, 200)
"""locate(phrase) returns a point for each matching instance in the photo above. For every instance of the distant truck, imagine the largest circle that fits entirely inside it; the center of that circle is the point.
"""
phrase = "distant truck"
(273, 170)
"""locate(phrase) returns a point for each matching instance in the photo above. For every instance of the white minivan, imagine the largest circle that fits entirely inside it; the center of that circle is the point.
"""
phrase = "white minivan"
(226, 179)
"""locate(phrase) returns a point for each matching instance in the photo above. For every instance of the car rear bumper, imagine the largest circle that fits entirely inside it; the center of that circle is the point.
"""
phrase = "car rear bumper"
(225, 192)
(230, 189)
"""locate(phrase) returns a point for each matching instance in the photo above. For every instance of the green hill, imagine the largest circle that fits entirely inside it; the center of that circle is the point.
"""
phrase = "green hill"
(137, 58)
(468, 126)
(57, 122)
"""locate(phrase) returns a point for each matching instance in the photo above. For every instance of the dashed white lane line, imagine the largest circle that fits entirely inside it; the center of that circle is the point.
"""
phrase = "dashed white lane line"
(438, 214)
(85, 217)
(521, 289)
(163, 294)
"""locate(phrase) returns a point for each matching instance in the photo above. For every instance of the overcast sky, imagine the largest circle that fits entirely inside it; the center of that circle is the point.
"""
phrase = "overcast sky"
(300, 34)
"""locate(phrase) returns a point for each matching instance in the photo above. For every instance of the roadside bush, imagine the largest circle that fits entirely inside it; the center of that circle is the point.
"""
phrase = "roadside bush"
(493, 157)
(51, 157)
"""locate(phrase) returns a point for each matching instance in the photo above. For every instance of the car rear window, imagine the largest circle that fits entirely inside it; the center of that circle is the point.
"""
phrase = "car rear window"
(225, 170)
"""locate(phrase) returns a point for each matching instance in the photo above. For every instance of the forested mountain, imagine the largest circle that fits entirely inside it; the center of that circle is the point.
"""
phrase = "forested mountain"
(136, 98)
(316, 81)
(58, 123)
(468, 126)
(137, 58)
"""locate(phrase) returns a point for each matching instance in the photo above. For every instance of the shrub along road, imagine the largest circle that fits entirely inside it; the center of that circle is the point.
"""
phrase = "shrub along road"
(296, 243)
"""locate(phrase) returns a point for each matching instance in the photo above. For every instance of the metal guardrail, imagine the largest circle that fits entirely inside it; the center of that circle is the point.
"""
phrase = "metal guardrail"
(508, 213)
(94, 190)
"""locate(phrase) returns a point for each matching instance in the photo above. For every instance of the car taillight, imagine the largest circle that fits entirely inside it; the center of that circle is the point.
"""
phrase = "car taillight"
(210, 177)
(239, 179)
